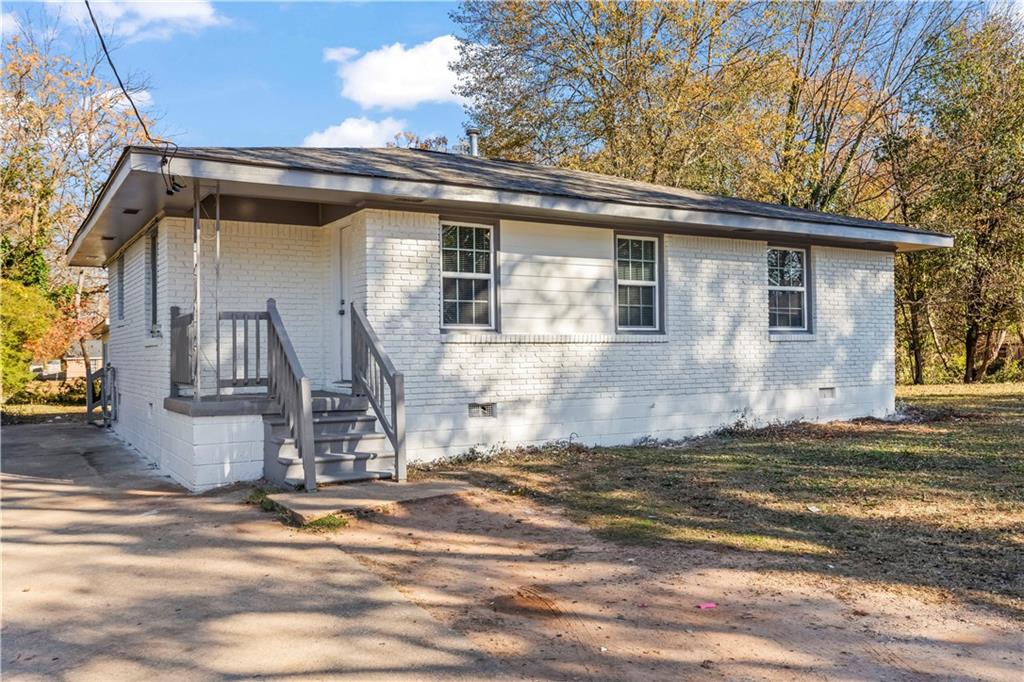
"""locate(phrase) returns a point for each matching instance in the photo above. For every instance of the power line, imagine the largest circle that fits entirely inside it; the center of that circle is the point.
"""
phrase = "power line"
(170, 183)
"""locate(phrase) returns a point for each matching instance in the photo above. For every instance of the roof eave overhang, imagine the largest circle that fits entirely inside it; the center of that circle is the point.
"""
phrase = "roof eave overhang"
(426, 194)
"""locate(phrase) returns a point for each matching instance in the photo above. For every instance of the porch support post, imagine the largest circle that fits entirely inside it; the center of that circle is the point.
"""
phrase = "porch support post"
(197, 233)
(216, 284)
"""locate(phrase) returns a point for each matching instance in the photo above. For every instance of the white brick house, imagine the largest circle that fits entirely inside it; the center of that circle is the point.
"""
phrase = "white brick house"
(516, 303)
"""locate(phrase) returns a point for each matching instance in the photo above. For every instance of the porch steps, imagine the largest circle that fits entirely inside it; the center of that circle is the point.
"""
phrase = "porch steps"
(347, 443)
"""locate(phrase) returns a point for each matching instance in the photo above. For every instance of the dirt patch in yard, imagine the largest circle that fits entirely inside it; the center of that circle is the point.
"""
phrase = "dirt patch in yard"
(556, 601)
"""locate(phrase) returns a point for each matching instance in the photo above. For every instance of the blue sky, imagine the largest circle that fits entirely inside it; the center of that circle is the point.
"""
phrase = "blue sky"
(250, 74)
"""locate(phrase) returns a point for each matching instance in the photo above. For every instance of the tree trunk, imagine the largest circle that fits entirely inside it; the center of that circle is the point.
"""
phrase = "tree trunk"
(970, 348)
(992, 352)
(935, 340)
(917, 336)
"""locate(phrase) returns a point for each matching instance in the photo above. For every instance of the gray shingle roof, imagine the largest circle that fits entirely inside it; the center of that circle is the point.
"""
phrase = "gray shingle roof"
(468, 171)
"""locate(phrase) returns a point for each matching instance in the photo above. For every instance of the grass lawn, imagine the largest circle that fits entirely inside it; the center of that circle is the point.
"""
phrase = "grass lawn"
(35, 414)
(934, 504)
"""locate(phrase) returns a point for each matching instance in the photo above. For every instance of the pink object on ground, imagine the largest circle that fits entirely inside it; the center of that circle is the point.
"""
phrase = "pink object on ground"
(707, 605)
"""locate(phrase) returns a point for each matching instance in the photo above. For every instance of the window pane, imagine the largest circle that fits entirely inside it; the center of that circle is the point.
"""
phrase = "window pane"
(481, 313)
(623, 248)
(647, 272)
(647, 295)
(647, 316)
(483, 262)
(481, 290)
(785, 268)
(449, 236)
(465, 237)
(450, 289)
(483, 239)
(450, 260)
(648, 250)
(785, 309)
(465, 261)
(450, 312)
(636, 249)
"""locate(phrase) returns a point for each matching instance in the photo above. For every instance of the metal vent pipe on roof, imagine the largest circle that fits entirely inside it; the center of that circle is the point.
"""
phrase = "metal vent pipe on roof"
(474, 140)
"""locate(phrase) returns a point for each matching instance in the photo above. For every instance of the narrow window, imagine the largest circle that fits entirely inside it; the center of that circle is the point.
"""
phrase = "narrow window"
(787, 289)
(467, 279)
(637, 282)
(119, 287)
(154, 327)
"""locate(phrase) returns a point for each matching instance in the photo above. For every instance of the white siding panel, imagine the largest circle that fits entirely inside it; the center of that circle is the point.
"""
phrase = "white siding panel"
(556, 279)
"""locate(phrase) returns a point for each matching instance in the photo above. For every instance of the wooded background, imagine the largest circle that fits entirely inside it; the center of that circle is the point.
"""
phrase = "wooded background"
(908, 112)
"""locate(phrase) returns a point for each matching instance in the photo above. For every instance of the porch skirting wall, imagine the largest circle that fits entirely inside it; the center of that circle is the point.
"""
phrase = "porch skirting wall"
(715, 364)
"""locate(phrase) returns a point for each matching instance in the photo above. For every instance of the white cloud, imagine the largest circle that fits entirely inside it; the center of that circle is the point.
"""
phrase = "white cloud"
(396, 77)
(146, 20)
(143, 98)
(9, 24)
(356, 132)
(339, 54)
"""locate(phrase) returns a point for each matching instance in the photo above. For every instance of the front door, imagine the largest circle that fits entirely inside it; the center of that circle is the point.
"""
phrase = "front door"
(343, 305)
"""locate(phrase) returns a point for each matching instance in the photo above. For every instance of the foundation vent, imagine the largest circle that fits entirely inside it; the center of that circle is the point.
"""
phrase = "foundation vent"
(827, 393)
(482, 410)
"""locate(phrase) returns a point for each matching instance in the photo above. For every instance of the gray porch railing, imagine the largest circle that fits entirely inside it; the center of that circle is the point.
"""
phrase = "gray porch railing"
(102, 396)
(181, 350)
(374, 375)
(244, 356)
(291, 387)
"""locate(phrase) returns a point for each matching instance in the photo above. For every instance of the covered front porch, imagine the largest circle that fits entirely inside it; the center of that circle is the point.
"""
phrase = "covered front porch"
(304, 358)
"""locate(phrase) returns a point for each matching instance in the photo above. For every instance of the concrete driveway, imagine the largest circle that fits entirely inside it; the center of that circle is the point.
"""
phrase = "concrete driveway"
(113, 573)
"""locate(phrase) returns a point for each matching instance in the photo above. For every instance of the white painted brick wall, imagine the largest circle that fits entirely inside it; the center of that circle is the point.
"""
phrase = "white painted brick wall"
(715, 364)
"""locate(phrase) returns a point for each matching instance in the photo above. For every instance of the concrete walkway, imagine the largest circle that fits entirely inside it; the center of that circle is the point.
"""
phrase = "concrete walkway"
(113, 573)
(354, 498)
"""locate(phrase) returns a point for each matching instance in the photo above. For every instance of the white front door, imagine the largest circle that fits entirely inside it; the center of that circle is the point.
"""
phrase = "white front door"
(343, 305)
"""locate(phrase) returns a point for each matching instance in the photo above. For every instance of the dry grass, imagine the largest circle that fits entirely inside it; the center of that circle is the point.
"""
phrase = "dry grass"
(934, 504)
(35, 413)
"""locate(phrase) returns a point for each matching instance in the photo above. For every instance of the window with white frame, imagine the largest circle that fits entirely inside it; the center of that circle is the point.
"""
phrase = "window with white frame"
(787, 289)
(636, 263)
(467, 276)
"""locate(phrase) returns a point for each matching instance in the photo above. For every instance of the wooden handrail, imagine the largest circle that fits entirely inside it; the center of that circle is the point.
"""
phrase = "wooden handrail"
(372, 371)
(288, 384)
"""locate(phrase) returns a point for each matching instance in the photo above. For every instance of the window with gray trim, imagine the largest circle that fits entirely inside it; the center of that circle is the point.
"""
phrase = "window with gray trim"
(119, 286)
(151, 293)
(787, 289)
(467, 278)
(636, 263)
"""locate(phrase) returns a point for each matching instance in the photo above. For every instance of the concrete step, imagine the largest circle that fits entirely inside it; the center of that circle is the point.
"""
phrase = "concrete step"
(335, 467)
(327, 479)
(367, 441)
(330, 423)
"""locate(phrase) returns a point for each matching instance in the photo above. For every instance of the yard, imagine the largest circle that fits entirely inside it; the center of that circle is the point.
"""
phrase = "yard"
(873, 549)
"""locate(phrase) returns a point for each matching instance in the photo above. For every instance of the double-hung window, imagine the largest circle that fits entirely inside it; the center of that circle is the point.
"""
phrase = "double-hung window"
(636, 262)
(467, 276)
(787, 289)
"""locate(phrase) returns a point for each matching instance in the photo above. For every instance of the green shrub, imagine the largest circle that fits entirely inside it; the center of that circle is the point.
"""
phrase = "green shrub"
(25, 317)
